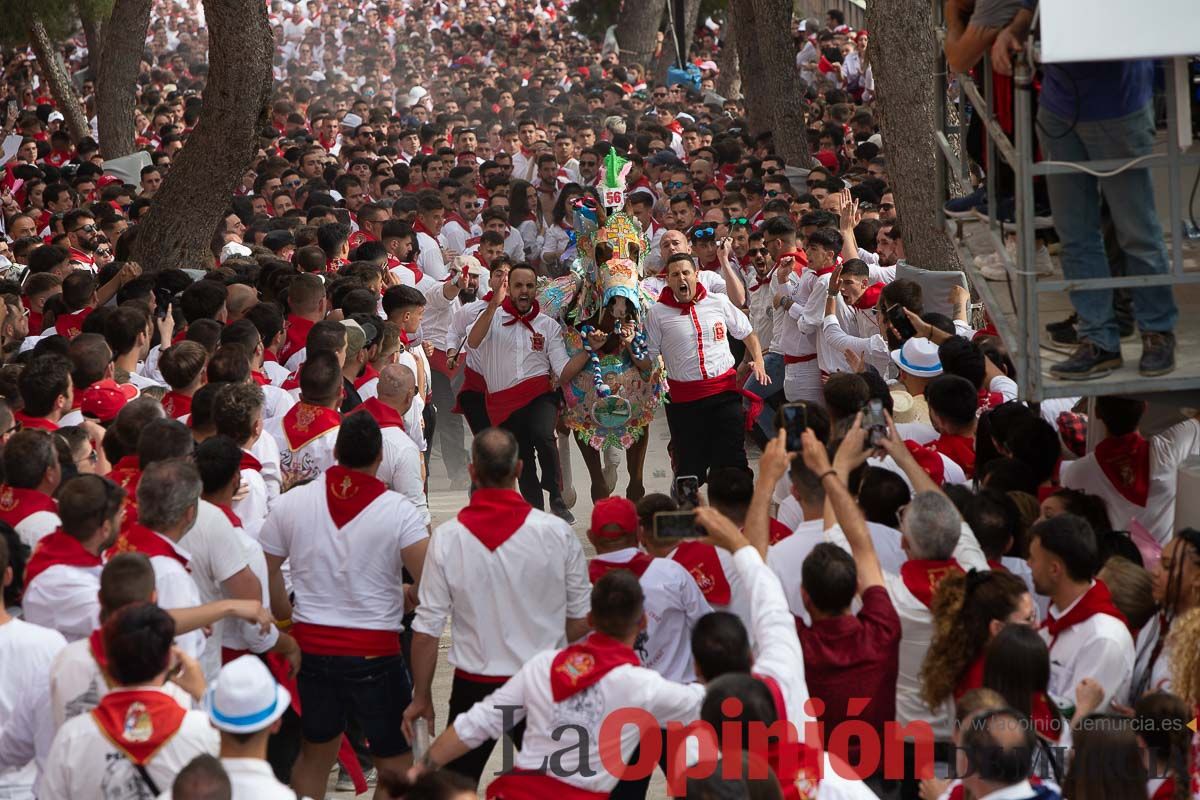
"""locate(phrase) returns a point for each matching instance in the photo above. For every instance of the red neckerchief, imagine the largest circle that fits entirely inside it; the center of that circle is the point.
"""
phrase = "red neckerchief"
(922, 576)
(58, 548)
(412, 267)
(296, 335)
(138, 722)
(233, 518)
(583, 664)
(348, 492)
(369, 374)
(269, 355)
(96, 646)
(385, 415)
(292, 381)
(800, 257)
(870, 297)
(140, 539)
(1125, 461)
(71, 325)
(667, 298)
(17, 504)
(304, 423)
(250, 462)
(419, 227)
(928, 459)
(712, 266)
(778, 531)
(40, 423)
(1096, 600)
(989, 399)
(494, 515)
(598, 567)
(525, 319)
(1165, 790)
(359, 237)
(702, 562)
(176, 405)
(80, 257)
(765, 280)
(456, 217)
(959, 449)
(260, 377)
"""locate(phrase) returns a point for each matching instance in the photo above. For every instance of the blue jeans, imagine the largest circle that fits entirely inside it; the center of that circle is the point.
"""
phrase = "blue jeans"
(774, 366)
(1075, 201)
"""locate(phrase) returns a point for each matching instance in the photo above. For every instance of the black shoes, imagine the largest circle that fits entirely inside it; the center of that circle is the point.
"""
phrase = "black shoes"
(1158, 354)
(559, 509)
(1088, 362)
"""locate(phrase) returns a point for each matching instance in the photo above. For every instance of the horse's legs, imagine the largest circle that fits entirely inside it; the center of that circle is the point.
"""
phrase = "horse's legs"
(591, 457)
(636, 463)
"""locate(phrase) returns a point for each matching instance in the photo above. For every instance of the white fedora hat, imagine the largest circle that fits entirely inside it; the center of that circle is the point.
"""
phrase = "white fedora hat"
(918, 356)
(245, 697)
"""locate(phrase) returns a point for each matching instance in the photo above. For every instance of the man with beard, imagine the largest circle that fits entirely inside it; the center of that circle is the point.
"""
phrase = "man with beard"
(523, 361)
(83, 237)
(765, 318)
(470, 395)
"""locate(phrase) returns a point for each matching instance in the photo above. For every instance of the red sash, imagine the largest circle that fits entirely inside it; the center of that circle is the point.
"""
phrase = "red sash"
(799, 359)
(58, 548)
(667, 298)
(598, 567)
(348, 492)
(96, 647)
(176, 405)
(1096, 600)
(296, 335)
(520, 784)
(438, 361)
(525, 319)
(583, 664)
(39, 423)
(138, 722)
(71, 325)
(250, 462)
(959, 449)
(691, 391)
(18, 504)
(779, 531)
(385, 415)
(503, 404)
(304, 423)
(494, 515)
(369, 374)
(140, 539)
(922, 576)
(870, 297)
(1126, 463)
(326, 640)
(702, 562)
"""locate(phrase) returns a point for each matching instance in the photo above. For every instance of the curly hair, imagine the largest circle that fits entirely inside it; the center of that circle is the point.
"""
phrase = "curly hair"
(1184, 646)
(964, 606)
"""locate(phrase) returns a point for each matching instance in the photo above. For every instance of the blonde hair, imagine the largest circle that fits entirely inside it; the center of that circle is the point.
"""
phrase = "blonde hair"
(1184, 646)
(1132, 589)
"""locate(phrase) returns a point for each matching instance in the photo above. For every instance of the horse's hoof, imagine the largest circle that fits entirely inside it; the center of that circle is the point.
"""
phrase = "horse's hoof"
(569, 497)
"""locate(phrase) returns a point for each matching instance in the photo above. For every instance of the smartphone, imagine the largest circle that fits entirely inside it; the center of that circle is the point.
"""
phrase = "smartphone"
(901, 322)
(687, 490)
(162, 300)
(793, 418)
(677, 525)
(874, 423)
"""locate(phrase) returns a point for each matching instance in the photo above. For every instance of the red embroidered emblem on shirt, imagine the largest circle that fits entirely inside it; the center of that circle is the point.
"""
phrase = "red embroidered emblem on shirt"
(344, 490)
(304, 417)
(138, 726)
(576, 666)
(702, 578)
(537, 342)
(719, 332)
(7, 501)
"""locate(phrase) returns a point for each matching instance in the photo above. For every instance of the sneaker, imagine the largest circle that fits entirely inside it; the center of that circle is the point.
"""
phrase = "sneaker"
(344, 782)
(1069, 322)
(964, 207)
(1088, 362)
(559, 509)
(1042, 264)
(1063, 331)
(1158, 354)
(994, 270)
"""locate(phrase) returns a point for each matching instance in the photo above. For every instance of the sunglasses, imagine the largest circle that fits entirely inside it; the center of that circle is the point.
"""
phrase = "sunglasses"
(704, 233)
(291, 184)
(739, 221)
(710, 203)
(886, 206)
(86, 229)
(756, 251)
(675, 184)
(103, 251)
(773, 193)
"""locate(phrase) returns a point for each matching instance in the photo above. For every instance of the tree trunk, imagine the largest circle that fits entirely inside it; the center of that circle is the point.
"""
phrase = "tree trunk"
(92, 35)
(55, 73)
(778, 81)
(116, 84)
(758, 106)
(729, 81)
(675, 48)
(637, 28)
(186, 210)
(904, 54)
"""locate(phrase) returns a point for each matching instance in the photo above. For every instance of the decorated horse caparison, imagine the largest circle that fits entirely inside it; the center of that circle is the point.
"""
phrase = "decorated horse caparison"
(610, 403)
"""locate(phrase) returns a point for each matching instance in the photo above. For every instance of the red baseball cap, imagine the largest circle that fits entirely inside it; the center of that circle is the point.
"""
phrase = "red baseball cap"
(614, 512)
(103, 400)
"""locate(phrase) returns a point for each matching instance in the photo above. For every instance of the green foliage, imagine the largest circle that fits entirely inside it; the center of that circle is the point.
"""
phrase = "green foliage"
(61, 18)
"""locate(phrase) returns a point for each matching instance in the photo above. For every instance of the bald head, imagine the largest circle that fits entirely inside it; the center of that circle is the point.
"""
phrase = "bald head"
(396, 383)
(241, 298)
(494, 459)
(673, 242)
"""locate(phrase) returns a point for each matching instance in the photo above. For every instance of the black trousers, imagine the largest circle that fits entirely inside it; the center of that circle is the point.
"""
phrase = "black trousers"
(636, 790)
(708, 433)
(474, 408)
(465, 693)
(533, 426)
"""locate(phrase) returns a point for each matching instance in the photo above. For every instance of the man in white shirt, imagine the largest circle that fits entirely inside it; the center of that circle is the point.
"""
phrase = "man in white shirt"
(135, 741)
(403, 469)
(26, 651)
(690, 329)
(307, 432)
(238, 414)
(479, 570)
(523, 360)
(346, 539)
(1086, 634)
(32, 474)
(431, 215)
(470, 398)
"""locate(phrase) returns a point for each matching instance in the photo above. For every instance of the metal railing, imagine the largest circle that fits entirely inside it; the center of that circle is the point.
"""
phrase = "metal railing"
(1021, 330)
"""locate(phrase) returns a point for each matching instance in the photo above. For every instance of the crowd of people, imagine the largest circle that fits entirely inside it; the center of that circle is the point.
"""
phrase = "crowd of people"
(221, 572)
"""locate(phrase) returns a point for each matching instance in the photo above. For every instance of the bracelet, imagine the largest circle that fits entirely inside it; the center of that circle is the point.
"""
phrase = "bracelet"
(283, 624)
(826, 474)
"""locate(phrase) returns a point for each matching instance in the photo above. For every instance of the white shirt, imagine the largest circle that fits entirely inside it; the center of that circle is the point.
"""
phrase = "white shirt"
(694, 344)
(430, 258)
(251, 779)
(673, 605)
(713, 282)
(64, 598)
(239, 634)
(787, 336)
(513, 353)
(625, 686)
(308, 460)
(1100, 647)
(454, 236)
(26, 725)
(462, 318)
(499, 623)
(84, 765)
(77, 685)
(439, 313)
(252, 509)
(403, 469)
(852, 320)
(266, 450)
(175, 588)
(1167, 450)
(32, 528)
(347, 577)
(276, 402)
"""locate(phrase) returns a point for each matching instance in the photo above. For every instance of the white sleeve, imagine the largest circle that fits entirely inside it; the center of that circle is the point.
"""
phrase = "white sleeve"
(812, 310)
(405, 476)
(485, 720)
(869, 258)
(878, 274)
(1179, 441)
(579, 586)
(54, 779)
(717, 283)
(275, 536)
(840, 341)
(967, 552)
(431, 263)
(434, 593)
(653, 335)
(556, 350)
(1108, 663)
(736, 320)
(1005, 385)
(36, 526)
